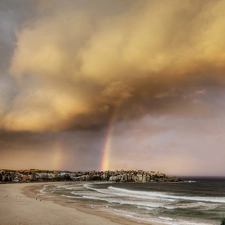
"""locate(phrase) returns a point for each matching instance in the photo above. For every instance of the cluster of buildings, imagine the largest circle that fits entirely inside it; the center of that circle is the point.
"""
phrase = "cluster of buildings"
(35, 175)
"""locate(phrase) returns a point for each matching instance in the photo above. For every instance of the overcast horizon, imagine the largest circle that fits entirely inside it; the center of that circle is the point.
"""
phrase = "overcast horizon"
(113, 84)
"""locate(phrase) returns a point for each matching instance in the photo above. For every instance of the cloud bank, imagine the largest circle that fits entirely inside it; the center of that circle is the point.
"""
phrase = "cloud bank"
(154, 70)
(77, 62)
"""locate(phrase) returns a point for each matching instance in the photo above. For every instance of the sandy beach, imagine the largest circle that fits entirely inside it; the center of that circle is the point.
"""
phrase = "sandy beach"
(21, 204)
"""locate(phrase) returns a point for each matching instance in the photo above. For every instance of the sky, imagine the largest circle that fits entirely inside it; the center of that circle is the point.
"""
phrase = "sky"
(113, 84)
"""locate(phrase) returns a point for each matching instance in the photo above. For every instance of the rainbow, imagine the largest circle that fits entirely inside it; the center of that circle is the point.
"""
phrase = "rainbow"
(106, 148)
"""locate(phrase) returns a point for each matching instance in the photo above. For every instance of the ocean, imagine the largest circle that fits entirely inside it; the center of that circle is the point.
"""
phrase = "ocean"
(199, 201)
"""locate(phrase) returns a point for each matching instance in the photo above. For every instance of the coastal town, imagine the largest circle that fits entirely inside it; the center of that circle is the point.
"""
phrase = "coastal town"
(36, 175)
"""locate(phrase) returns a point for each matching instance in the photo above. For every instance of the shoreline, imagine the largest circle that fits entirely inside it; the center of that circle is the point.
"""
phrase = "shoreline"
(22, 203)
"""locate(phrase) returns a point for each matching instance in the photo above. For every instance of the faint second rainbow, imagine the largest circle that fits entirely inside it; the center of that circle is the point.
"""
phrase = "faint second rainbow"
(57, 158)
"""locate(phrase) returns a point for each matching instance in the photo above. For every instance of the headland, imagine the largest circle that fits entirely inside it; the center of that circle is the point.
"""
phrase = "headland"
(36, 175)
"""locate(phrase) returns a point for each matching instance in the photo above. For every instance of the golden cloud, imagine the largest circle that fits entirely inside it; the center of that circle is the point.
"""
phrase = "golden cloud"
(75, 64)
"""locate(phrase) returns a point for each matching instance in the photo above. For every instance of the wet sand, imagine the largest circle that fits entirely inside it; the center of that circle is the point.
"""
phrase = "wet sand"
(22, 204)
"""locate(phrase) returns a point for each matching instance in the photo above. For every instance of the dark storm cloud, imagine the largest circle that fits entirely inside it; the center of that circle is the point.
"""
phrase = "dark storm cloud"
(80, 64)
(12, 16)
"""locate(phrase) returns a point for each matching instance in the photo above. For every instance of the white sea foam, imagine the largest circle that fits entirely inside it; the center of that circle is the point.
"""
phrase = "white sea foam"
(69, 196)
(68, 188)
(170, 207)
(159, 199)
(143, 194)
(148, 208)
(202, 206)
(96, 194)
(166, 218)
(159, 220)
(168, 195)
(151, 203)
(155, 202)
(129, 193)
(42, 191)
(123, 202)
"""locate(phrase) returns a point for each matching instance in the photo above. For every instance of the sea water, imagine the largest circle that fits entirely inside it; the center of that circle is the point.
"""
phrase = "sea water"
(198, 202)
